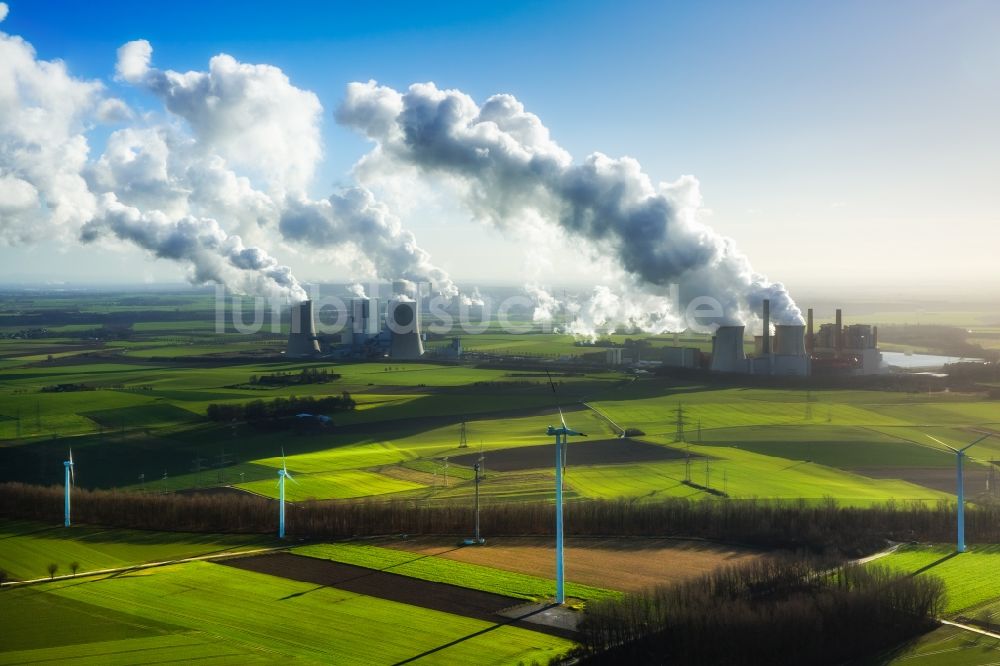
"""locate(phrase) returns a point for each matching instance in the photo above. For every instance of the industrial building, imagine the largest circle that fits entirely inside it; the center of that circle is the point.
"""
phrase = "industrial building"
(792, 350)
(851, 350)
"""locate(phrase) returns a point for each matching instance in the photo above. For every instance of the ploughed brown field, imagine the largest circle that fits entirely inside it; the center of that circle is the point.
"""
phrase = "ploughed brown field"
(620, 563)
(580, 452)
(937, 478)
(393, 587)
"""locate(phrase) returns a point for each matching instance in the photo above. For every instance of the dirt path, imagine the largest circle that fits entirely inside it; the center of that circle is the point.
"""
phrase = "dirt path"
(626, 564)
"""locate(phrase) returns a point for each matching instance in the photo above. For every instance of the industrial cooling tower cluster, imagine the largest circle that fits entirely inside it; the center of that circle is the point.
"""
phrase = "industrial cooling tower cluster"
(795, 349)
(365, 333)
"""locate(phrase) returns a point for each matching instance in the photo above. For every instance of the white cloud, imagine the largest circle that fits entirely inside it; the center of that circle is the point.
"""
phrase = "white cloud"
(251, 115)
(42, 143)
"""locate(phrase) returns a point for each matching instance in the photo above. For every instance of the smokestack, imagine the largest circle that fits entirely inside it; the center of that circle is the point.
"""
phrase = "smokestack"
(766, 346)
(810, 340)
(302, 339)
(840, 330)
(874, 344)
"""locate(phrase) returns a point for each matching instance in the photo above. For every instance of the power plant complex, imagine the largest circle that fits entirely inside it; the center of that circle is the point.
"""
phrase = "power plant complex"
(367, 333)
(794, 350)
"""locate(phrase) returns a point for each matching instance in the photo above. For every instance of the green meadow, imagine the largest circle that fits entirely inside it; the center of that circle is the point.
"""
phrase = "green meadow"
(27, 548)
(216, 614)
(970, 578)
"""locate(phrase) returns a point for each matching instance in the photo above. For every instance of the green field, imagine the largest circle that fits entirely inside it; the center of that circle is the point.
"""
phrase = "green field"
(440, 570)
(217, 614)
(946, 646)
(970, 578)
(27, 548)
(144, 427)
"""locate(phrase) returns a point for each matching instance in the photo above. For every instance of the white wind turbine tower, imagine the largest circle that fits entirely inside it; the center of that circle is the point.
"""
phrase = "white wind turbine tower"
(282, 475)
(960, 483)
(560, 433)
(70, 480)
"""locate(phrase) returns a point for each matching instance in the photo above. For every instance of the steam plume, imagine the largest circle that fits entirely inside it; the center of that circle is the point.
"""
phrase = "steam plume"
(511, 166)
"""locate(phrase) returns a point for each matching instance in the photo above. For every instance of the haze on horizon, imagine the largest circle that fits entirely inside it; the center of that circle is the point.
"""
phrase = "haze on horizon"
(847, 146)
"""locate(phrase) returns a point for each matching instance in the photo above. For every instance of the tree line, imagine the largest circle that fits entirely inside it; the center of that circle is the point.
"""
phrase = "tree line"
(823, 528)
(773, 611)
(258, 412)
(306, 376)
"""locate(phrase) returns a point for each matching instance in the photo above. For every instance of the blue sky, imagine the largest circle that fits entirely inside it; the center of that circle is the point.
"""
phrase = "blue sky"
(853, 142)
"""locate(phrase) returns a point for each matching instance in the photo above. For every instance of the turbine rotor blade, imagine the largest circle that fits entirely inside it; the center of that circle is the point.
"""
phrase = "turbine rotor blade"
(950, 448)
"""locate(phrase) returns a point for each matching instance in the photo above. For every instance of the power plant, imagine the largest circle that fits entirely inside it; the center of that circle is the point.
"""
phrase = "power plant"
(367, 332)
(793, 350)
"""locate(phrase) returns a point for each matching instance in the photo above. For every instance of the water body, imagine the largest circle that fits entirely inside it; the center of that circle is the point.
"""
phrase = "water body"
(922, 361)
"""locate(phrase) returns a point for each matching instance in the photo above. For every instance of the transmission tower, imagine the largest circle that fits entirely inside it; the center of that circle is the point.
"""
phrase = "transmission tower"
(463, 440)
(679, 422)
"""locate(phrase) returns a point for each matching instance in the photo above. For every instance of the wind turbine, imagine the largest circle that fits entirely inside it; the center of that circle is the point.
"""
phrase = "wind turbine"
(69, 481)
(959, 471)
(282, 475)
(560, 433)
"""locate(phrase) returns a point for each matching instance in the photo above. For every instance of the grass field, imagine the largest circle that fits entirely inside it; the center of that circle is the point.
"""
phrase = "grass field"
(442, 570)
(27, 548)
(970, 578)
(946, 646)
(207, 612)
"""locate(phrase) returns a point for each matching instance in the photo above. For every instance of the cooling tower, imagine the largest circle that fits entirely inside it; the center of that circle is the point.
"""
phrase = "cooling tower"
(789, 340)
(302, 339)
(727, 350)
(402, 318)
(404, 288)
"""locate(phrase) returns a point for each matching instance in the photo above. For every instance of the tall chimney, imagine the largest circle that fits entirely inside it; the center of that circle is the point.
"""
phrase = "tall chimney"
(809, 331)
(766, 347)
(874, 344)
(840, 330)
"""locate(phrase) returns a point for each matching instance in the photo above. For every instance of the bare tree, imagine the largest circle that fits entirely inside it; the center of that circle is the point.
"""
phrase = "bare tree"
(74, 566)
(53, 568)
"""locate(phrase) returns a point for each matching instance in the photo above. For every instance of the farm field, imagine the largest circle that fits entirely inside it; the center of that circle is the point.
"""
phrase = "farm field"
(447, 570)
(970, 578)
(625, 564)
(946, 646)
(27, 548)
(204, 611)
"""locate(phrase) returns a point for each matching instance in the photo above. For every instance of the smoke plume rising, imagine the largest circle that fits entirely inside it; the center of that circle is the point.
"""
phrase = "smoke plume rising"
(509, 165)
